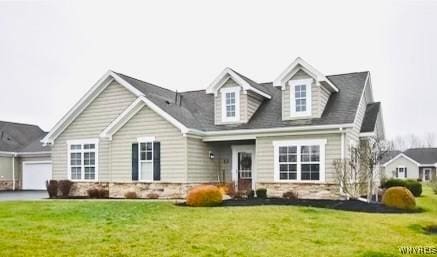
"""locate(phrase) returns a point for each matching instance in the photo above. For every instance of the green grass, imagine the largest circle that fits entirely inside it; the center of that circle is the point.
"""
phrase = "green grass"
(139, 228)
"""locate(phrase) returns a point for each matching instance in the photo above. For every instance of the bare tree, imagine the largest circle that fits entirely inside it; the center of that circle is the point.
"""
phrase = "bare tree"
(399, 143)
(430, 139)
(414, 141)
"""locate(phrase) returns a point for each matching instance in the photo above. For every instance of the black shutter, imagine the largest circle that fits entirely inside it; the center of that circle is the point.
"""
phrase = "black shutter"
(156, 161)
(405, 171)
(135, 161)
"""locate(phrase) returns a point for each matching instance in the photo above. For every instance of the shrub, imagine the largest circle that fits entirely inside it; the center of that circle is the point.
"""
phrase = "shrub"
(64, 187)
(412, 185)
(250, 194)
(52, 188)
(93, 193)
(261, 193)
(399, 197)
(130, 195)
(239, 195)
(291, 195)
(205, 195)
(152, 196)
(103, 193)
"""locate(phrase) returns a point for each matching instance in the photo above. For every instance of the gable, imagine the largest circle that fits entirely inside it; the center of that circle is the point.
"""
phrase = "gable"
(110, 103)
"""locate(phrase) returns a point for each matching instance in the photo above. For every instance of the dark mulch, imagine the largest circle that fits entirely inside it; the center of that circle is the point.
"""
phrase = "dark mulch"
(344, 205)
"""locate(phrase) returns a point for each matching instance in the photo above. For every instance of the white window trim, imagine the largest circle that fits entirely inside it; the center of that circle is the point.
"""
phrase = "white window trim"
(81, 142)
(320, 142)
(145, 140)
(292, 84)
(223, 92)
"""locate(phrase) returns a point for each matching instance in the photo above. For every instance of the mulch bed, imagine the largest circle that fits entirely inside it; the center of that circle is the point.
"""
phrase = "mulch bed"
(344, 205)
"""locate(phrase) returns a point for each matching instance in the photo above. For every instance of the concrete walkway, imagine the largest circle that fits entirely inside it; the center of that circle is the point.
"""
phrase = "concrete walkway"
(23, 195)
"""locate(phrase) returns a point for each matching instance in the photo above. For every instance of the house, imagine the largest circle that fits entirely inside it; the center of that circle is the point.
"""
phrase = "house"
(414, 163)
(24, 162)
(129, 135)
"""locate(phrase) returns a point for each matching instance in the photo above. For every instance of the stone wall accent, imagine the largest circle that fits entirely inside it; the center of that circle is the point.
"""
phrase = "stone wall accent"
(6, 185)
(304, 190)
(142, 189)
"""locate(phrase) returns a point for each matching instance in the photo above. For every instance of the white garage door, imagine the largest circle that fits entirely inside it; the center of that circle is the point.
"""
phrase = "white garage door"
(35, 175)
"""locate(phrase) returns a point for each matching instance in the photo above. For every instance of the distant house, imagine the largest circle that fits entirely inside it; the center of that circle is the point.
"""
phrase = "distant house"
(24, 162)
(129, 135)
(414, 163)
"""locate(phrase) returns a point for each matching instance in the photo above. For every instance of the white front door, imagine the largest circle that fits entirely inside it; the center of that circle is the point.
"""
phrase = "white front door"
(35, 175)
(243, 166)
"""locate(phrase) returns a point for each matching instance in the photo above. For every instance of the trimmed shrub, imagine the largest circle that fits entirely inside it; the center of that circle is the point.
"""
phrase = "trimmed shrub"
(103, 193)
(412, 185)
(131, 195)
(291, 195)
(261, 193)
(65, 187)
(399, 197)
(205, 195)
(250, 194)
(93, 193)
(52, 188)
(152, 196)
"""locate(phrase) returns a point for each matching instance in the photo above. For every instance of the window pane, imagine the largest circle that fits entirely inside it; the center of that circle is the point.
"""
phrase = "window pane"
(283, 176)
(149, 156)
(75, 173)
(283, 167)
(75, 159)
(149, 147)
(89, 146)
(292, 149)
(292, 158)
(142, 146)
(89, 173)
(305, 149)
(292, 175)
(282, 149)
(75, 147)
(143, 156)
(282, 158)
(292, 167)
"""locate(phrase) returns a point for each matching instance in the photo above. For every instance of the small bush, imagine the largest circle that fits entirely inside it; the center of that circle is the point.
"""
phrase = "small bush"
(131, 195)
(152, 196)
(52, 188)
(205, 195)
(261, 193)
(103, 193)
(399, 197)
(250, 194)
(291, 195)
(93, 193)
(65, 187)
(412, 185)
(239, 195)
(433, 185)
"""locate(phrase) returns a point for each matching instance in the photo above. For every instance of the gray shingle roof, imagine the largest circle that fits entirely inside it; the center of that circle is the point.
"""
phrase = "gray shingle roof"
(196, 110)
(390, 155)
(370, 117)
(14, 137)
(422, 155)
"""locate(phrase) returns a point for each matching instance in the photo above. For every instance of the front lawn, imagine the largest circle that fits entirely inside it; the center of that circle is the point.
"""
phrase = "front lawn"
(140, 228)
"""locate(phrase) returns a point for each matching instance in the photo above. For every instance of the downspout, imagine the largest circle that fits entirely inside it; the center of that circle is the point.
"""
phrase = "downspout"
(13, 172)
(342, 159)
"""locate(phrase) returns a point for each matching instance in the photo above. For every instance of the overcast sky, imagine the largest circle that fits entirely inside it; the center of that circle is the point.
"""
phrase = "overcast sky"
(51, 52)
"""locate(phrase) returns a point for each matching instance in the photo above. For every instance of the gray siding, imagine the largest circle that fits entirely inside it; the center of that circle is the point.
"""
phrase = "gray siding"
(412, 168)
(265, 155)
(200, 167)
(5, 168)
(148, 123)
(319, 98)
(253, 103)
(98, 115)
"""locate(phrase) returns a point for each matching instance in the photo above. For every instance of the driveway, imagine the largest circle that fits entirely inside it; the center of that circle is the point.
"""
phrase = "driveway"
(23, 195)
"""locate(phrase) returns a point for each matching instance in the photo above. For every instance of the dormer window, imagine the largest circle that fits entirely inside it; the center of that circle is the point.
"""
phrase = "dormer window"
(230, 104)
(300, 97)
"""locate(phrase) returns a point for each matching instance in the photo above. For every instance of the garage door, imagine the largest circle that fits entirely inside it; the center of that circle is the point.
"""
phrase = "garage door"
(35, 175)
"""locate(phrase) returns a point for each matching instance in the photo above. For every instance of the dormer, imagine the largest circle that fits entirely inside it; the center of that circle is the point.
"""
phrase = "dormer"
(236, 97)
(305, 91)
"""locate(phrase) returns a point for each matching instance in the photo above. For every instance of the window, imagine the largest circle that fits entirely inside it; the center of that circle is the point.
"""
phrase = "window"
(145, 158)
(401, 172)
(82, 163)
(300, 97)
(300, 160)
(230, 104)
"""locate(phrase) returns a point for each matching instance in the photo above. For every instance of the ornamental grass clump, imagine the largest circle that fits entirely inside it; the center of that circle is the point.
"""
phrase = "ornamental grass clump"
(399, 197)
(204, 196)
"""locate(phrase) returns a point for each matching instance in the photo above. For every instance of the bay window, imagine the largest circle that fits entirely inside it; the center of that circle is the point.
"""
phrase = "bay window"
(82, 159)
(299, 160)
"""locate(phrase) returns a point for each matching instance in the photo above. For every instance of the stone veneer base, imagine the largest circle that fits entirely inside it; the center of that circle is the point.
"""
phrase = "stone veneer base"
(6, 185)
(304, 190)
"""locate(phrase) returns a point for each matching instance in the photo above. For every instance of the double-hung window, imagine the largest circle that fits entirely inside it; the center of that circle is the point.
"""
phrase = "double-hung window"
(82, 159)
(145, 158)
(299, 160)
(230, 104)
(300, 97)
(401, 172)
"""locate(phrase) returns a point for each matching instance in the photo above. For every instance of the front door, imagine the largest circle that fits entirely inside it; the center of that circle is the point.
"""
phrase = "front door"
(243, 160)
(426, 174)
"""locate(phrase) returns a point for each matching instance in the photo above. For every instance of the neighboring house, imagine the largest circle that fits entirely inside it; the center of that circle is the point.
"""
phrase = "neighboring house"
(130, 135)
(24, 162)
(414, 163)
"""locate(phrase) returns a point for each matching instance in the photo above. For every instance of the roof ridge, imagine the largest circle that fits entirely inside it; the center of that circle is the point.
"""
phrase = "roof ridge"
(150, 84)
(21, 123)
(347, 73)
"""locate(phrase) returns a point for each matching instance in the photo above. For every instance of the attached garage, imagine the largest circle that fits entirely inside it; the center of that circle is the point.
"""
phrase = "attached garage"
(35, 174)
